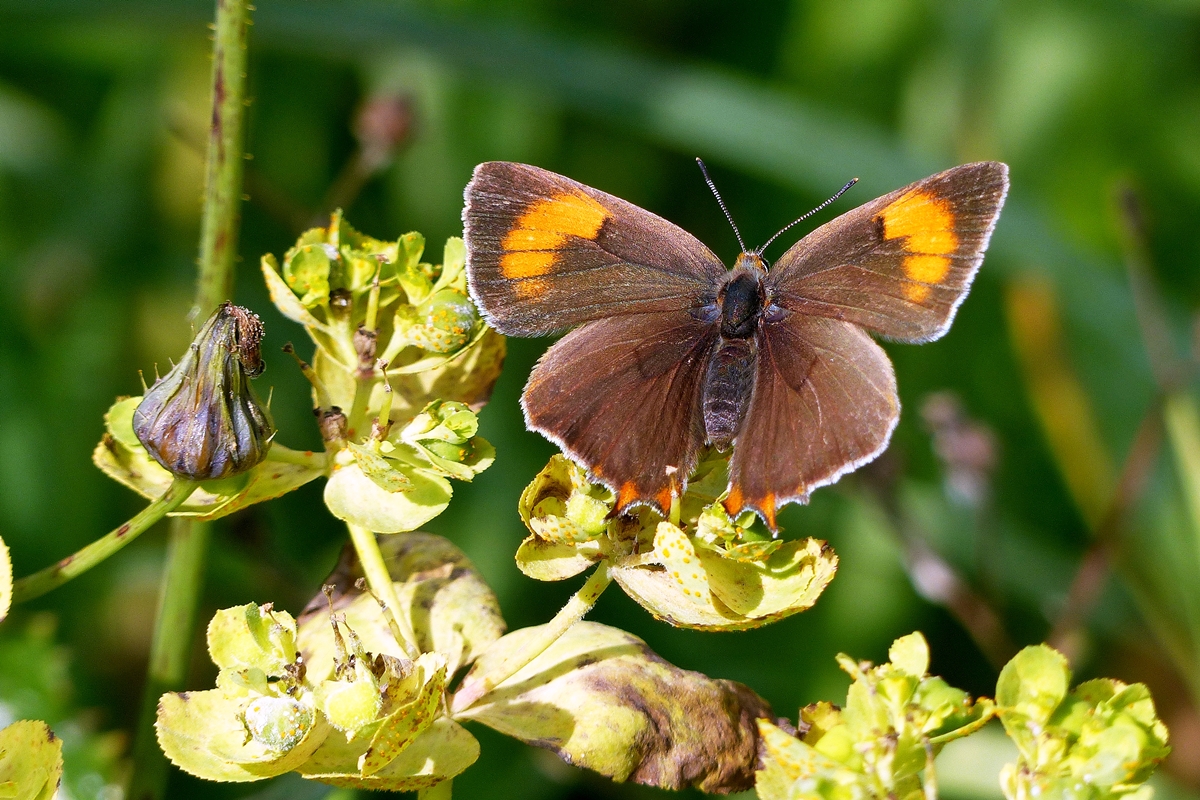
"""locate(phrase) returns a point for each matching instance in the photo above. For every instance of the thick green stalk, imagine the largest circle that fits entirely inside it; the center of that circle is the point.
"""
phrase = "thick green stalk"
(379, 579)
(170, 651)
(575, 609)
(183, 575)
(82, 560)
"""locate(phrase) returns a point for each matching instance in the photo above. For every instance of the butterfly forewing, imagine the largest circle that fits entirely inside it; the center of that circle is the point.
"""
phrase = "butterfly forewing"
(901, 264)
(824, 403)
(622, 396)
(545, 253)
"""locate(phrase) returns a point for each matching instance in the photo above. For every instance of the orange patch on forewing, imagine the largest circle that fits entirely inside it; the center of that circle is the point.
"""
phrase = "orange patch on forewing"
(924, 220)
(530, 248)
(526, 263)
(916, 292)
(926, 223)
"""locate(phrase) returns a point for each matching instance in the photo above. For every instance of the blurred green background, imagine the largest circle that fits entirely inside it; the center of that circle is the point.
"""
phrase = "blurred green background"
(973, 527)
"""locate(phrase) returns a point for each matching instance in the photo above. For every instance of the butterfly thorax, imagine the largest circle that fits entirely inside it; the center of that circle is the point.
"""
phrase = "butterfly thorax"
(742, 298)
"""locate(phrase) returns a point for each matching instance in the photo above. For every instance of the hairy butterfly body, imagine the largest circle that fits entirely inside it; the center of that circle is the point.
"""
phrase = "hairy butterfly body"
(668, 350)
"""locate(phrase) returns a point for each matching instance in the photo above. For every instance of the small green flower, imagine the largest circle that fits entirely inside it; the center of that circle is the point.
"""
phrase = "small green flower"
(203, 420)
(895, 719)
(1100, 741)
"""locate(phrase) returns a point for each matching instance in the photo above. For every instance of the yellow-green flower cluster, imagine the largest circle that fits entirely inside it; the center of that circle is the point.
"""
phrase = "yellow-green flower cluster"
(700, 569)
(1098, 741)
(895, 719)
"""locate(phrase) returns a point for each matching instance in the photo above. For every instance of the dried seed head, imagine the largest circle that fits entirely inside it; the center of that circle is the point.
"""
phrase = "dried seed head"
(203, 420)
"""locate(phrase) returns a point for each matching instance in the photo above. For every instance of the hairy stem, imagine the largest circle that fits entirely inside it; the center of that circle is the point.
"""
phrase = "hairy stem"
(183, 576)
(223, 178)
(82, 560)
(476, 687)
(380, 581)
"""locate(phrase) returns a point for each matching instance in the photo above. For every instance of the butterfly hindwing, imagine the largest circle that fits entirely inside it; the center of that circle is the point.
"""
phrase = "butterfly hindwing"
(824, 403)
(545, 253)
(622, 396)
(901, 264)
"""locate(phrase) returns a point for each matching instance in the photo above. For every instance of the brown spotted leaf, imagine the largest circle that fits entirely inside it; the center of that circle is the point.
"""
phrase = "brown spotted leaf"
(601, 699)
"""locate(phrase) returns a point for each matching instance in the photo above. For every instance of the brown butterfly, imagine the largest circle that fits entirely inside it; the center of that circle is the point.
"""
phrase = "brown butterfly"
(671, 351)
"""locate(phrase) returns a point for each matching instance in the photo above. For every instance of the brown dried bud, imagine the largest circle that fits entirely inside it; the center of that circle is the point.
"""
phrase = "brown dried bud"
(203, 421)
(332, 424)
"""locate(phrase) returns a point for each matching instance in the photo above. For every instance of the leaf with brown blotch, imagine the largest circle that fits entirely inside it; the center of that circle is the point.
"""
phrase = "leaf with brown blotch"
(601, 699)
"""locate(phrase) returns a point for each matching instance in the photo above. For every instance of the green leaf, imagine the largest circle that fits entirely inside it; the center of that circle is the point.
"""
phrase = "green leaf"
(352, 496)
(440, 752)
(910, 654)
(306, 270)
(30, 761)
(378, 468)
(1033, 683)
(6, 581)
(284, 298)
(449, 606)
(545, 560)
(402, 726)
(417, 286)
(252, 637)
(601, 699)
(205, 734)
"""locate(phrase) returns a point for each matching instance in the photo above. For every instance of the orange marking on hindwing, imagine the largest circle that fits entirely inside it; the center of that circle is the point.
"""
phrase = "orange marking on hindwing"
(735, 501)
(926, 223)
(663, 498)
(627, 494)
(768, 509)
(530, 249)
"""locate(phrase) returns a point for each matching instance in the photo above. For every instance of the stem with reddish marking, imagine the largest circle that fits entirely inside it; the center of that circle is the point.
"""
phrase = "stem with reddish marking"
(84, 559)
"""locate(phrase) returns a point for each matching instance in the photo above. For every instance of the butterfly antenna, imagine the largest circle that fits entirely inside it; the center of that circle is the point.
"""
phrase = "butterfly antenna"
(788, 227)
(721, 203)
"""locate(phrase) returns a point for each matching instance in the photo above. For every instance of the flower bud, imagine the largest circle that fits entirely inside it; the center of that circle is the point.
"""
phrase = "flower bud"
(203, 421)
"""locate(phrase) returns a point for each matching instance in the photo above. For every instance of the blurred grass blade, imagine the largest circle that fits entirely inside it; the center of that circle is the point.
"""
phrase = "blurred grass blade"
(1062, 406)
(1183, 431)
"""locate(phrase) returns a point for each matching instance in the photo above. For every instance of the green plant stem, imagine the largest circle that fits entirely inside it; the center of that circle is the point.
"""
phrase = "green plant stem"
(82, 560)
(188, 543)
(223, 178)
(575, 609)
(380, 581)
(178, 598)
(305, 458)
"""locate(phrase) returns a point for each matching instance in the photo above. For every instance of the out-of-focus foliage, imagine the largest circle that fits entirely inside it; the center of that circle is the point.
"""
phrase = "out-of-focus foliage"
(974, 538)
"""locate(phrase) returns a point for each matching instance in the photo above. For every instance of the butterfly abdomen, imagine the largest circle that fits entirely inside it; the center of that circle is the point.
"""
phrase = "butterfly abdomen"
(727, 386)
